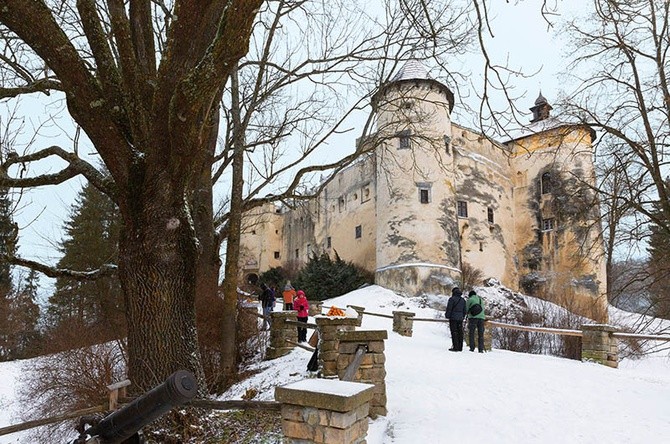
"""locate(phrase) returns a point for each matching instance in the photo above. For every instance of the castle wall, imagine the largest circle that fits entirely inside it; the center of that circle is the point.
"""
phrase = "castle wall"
(483, 182)
(261, 240)
(345, 213)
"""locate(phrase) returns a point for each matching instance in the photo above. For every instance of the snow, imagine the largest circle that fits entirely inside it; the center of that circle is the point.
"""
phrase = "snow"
(438, 396)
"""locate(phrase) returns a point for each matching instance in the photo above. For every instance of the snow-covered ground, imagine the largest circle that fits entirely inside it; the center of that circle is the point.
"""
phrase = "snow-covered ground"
(439, 396)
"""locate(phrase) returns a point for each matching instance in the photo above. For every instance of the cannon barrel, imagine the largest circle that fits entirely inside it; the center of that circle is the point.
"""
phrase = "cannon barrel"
(177, 389)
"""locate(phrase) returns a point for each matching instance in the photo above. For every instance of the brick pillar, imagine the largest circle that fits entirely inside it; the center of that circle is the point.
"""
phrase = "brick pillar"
(329, 343)
(360, 311)
(315, 308)
(598, 344)
(280, 331)
(324, 411)
(372, 369)
(403, 322)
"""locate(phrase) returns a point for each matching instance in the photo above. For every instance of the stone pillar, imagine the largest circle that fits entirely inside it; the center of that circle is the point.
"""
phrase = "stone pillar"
(329, 342)
(372, 369)
(324, 411)
(315, 308)
(280, 331)
(360, 311)
(247, 321)
(598, 344)
(403, 322)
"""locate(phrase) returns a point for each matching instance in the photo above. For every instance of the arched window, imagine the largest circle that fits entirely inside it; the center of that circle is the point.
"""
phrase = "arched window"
(545, 183)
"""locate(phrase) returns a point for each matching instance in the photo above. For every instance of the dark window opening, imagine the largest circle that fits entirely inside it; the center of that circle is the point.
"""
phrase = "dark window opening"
(462, 208)
(447, 143)
(481, 246)
(329, 242)
(545, 183)
(404, 143)
(548, 224)
(276, 255)
(359, 231)
(424, 196)
(297, 253)
(490, 215)
(253, 231)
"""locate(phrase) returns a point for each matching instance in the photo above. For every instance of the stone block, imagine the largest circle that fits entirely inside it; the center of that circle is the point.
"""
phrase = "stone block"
(376, 347)
(338, 396)
(342, 420)
(291, 412)
(348, 347)
(299, 430)
(363, 336)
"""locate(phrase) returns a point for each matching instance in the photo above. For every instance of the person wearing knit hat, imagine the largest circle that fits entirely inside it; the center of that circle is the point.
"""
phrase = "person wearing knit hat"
(301, 305)
(455, 312)
(476, 317)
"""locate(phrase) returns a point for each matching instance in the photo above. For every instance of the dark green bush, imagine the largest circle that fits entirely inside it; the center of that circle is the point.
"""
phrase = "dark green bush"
(323, 278)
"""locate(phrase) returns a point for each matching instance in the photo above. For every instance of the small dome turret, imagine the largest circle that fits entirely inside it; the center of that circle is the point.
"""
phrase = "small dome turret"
(541, 109)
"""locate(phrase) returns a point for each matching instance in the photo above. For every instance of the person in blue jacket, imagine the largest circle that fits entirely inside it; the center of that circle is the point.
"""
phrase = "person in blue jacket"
(476, 319)
(456, 313)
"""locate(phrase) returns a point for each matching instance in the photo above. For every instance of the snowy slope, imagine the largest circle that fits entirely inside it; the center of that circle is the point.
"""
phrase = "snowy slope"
(436, 396)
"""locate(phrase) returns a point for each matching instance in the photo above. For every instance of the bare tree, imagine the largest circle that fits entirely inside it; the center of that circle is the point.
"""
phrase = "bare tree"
(624, 95)
(145, 89)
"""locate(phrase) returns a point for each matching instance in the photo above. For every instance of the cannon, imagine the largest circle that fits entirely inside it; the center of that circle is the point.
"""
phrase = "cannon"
(122, 425)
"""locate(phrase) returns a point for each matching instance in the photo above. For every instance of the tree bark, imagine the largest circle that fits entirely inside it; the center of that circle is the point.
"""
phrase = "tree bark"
(229, 358)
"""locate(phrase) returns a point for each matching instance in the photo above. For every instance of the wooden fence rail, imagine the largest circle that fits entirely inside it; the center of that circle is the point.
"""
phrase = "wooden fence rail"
(641, 336)
(52, 420)
(556, 331)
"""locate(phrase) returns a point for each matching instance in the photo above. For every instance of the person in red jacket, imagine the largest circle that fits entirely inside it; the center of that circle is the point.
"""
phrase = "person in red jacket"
(301, 305)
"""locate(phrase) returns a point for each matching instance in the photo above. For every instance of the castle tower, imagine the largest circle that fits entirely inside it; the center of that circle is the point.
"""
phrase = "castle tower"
(417, 243)
(558, 236)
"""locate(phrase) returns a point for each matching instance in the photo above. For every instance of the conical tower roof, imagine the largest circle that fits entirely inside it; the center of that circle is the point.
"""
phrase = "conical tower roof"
(412, 69)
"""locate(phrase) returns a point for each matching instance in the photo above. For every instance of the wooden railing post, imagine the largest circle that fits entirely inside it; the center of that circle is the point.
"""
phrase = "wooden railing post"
(116, 391)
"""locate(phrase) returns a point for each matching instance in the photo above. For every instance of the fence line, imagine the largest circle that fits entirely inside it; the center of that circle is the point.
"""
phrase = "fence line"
(52, 420)
(641, 336)
(558, 331)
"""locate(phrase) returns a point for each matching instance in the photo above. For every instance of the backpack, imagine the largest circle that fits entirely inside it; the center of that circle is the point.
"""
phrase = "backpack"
(475, 309)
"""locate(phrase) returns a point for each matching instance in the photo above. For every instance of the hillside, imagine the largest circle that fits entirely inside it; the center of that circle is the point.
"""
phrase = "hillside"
(503, 397)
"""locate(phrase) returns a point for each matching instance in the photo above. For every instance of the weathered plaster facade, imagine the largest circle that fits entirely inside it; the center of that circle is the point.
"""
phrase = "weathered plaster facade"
(434, 195)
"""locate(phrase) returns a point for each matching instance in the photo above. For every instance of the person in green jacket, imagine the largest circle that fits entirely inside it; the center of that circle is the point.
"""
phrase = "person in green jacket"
(475, 309)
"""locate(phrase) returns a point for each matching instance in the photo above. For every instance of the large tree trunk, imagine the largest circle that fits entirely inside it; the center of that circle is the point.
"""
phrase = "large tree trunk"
(229, 356)
(157, 264)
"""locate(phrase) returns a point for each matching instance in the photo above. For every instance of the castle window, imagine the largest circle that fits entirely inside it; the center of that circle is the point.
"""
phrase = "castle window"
(424, 195)
(329, 242)
(309, 250)
(359, 231)
(253, 231)
(297, 253)
(490, 215)
(341, 204)
(548, 224)
(545, 183)
(365, 193)
(447, 143)
(276, 255)
(462, 208)
(404, 140)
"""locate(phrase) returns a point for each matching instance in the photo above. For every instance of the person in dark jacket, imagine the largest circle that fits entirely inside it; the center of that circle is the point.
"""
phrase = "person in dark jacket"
(267, 299)
(476, 319)
(456, 313)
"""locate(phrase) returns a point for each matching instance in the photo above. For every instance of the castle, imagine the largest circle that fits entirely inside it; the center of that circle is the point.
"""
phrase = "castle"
(431, 198)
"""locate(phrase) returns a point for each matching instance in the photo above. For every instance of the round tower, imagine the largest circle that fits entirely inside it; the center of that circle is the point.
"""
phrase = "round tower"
(417, 248)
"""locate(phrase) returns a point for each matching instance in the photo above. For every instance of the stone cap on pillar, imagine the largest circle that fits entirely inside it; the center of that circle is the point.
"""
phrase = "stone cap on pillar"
(326, 394)
(362, 335)
(404, 313)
